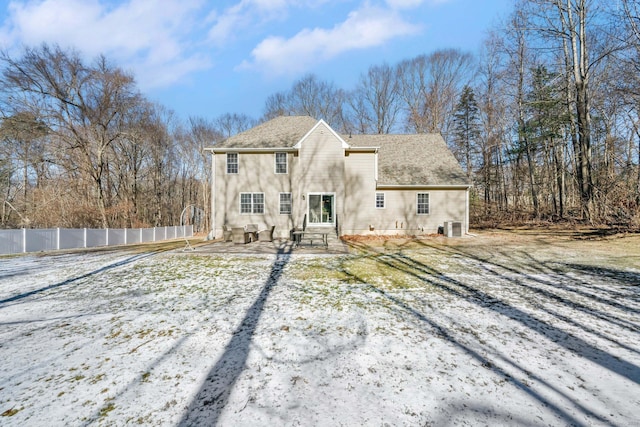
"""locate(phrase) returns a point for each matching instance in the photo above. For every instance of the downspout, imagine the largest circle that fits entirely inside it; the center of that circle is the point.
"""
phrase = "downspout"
(375, 166)
(213, 194)
(466, 208)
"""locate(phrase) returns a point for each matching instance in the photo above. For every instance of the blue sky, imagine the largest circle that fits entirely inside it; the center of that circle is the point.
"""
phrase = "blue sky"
(207, 58)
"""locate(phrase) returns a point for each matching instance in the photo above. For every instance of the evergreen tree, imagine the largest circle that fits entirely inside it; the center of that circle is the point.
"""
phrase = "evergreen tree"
(544, 148)
(466, 130)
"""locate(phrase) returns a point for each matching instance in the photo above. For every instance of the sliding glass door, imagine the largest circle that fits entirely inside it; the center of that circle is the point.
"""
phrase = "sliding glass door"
(321, 209)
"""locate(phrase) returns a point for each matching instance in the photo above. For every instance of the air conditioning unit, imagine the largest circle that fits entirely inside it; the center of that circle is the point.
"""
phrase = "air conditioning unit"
(453, 228)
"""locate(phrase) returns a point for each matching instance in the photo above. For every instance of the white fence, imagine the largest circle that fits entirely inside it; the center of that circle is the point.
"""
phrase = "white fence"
(51, 239)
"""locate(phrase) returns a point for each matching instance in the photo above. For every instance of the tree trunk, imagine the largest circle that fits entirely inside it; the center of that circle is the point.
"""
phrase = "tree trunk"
(577, 59)
(101, 202)
(585, 180)
(559, 175)
(638, 178)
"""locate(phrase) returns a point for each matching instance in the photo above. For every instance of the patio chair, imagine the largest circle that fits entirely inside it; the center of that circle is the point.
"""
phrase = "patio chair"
(226, 233)
(296, 232)
(266, 235)
(239, 235)
(253, 230)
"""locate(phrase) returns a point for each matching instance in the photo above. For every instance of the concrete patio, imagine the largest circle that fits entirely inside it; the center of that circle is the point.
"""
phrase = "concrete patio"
(335, 246)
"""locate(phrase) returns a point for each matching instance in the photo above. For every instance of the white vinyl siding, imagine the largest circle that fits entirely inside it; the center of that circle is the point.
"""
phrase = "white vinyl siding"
(285, 203)
(251, 203)
(232, 163)
(281, 163)
(321, 170)
(379, 200)
(422, 204)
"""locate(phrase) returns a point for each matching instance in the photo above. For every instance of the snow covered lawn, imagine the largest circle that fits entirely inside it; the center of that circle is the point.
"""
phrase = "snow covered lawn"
(500, 329)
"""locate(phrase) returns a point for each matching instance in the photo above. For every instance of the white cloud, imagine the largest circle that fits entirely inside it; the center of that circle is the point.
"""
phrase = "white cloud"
(143, 35)
(364, 28)
(228, 23)
(408, 4)
(404, 4)
(250, 14)
(165, 41)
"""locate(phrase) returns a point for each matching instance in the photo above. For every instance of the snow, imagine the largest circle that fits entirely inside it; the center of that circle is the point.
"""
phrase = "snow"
(424, 336)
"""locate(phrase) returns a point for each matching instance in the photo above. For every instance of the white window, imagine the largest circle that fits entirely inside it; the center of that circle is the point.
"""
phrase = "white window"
(379, 200)
(251, 203)
(285, 203)
(422, 205)
(281, 163)
(232, 163)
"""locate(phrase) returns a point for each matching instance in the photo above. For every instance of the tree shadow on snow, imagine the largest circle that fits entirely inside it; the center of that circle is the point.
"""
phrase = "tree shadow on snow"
(5, 302)
(540, 289)
(570, 342)
(208, 404)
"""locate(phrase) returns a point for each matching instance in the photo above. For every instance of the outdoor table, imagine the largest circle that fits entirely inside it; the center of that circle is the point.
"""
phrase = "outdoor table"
(299, 236)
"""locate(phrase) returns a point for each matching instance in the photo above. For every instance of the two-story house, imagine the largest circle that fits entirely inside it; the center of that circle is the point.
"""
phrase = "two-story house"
(296, 167)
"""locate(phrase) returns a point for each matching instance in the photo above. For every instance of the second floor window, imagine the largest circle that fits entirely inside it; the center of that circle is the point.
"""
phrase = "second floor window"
(281, 162)
(380, 200)
(232, 163)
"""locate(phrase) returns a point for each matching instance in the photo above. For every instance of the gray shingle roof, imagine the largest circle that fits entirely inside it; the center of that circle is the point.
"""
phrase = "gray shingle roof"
(420, 159)
(281, 132)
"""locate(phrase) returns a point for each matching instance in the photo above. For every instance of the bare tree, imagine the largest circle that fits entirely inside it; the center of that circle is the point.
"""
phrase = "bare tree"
(493, 114)
(580, 31)
(84, 106)
(309, 96)
(630, 81)
(525, 143)
(162, 164)
(23, 135)
(276, 105)
(430, 86)
(413, 78)
(227, 124)
(130, 154)
(375, 103)
(201, 133)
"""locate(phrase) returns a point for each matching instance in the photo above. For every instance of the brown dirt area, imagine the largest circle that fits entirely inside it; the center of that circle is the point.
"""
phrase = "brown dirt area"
(593, 246)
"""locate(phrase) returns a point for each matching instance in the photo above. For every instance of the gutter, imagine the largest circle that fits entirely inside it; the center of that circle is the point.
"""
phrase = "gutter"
(420, 186)
(215, 150)
(352, 149)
